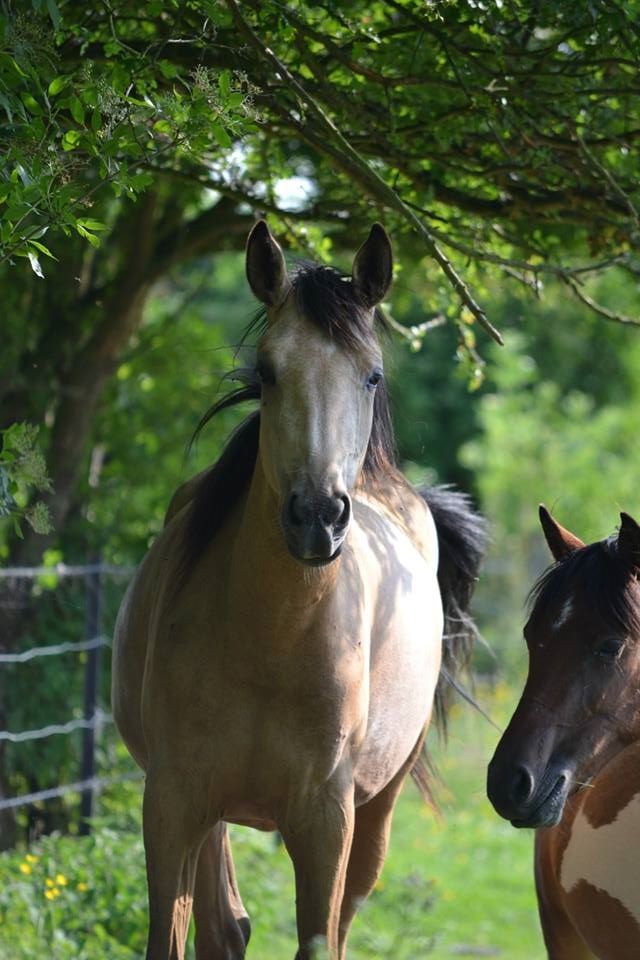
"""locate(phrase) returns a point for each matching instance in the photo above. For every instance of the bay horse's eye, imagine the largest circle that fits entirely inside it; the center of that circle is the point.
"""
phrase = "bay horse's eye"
(609, 649)
(265, 374)
(374, 379)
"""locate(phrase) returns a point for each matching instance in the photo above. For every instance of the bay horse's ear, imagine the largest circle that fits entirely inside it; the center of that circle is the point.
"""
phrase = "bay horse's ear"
(561, 542)
(266, 269)
(372, 271)
(629, 542)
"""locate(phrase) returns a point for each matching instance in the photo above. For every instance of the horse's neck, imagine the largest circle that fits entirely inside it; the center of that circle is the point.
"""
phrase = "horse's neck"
(262, 570)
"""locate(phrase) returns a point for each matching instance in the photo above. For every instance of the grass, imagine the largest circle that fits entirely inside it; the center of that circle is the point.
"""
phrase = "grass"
(454, 885)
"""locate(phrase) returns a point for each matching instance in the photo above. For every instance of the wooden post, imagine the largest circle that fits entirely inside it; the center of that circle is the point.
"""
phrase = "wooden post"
(91, 676)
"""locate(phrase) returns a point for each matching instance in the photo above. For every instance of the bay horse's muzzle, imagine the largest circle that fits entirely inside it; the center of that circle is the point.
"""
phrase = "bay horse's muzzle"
(315, 525)
(526, 797)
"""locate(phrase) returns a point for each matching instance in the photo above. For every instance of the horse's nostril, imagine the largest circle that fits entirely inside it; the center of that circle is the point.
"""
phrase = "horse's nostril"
(522, 786)
(330, 512)
(345, 510)
(296, 516)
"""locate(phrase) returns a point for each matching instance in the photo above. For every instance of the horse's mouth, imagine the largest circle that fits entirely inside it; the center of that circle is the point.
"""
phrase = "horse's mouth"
(321, 561)
(549, 812)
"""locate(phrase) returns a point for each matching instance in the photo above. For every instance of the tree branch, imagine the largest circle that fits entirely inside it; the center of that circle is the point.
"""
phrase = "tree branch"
(353, 164)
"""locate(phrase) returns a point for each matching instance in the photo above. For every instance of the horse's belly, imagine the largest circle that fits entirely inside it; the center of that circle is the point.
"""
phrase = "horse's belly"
(600, 868)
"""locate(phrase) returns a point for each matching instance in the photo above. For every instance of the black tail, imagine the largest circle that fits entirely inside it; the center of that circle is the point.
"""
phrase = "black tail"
(462, 540)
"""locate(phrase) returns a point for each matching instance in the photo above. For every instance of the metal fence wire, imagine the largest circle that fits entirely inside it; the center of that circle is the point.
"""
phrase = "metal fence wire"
(54, 684)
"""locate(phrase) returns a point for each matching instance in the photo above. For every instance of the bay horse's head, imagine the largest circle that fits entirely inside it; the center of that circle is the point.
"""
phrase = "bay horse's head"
(320, 368)
(581, 702)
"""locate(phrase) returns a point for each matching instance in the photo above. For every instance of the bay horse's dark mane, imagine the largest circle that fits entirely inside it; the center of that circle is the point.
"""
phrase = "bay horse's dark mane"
(602, 578)
(327, 298)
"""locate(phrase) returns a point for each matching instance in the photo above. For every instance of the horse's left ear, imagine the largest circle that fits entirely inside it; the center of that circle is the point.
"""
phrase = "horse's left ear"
(629, 542)
(266, 269)
(560, 541)
(372, 271)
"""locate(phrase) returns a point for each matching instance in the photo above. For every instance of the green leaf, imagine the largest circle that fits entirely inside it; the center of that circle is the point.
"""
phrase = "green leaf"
(41, 247)
(57, 85)
(31, 104)
(224, 84)
(91, 237)
(54, 13)
(220, 135)
(7, 107)
(71, 139)
(76, 108)
(90, 224)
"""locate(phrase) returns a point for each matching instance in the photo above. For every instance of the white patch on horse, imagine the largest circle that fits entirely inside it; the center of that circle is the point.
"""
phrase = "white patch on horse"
(566, 612)
(606, 857)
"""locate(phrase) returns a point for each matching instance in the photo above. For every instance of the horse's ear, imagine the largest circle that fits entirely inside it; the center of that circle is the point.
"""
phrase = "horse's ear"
(266, 269)
(629, 542)
(561, 542)
(372, 271)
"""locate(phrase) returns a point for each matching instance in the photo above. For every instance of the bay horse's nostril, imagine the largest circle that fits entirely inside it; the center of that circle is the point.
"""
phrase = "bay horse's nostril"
(522, 785)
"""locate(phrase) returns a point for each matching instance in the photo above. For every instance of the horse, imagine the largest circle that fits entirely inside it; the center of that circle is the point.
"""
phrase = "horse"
(568, 763)
(278, 653)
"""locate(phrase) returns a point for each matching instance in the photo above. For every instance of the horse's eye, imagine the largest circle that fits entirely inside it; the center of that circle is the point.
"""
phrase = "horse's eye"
(609, 649)
(374, 379)
(265, 374)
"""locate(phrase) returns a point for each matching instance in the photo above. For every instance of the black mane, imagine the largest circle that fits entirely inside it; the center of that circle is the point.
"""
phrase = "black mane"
(602, 578)
(326, 298)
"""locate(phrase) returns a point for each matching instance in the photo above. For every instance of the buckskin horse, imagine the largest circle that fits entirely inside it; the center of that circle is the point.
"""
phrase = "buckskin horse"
(569, 760)
(277, 654)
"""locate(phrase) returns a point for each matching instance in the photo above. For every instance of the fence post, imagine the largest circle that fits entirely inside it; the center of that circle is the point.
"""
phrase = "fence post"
(91, 675)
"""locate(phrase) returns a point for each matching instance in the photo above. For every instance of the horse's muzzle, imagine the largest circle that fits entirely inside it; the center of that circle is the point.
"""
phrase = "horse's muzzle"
(315, 525)
(525, 799)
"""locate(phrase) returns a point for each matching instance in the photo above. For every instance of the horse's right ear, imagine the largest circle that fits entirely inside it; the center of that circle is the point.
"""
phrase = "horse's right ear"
(629, 542)
(561, 542)
(372, 271)
(266, 269)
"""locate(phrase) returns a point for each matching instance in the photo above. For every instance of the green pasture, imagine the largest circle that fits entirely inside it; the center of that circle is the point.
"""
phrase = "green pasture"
(456, 884)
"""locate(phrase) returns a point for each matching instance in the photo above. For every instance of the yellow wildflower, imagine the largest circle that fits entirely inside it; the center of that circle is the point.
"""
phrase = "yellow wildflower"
(61, 880)
(49, 882)
(31, 858)
(52, 893)
(25, 868)
(82, 886)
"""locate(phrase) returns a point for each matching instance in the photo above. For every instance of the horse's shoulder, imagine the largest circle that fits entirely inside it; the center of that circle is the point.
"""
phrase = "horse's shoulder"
(398, 502)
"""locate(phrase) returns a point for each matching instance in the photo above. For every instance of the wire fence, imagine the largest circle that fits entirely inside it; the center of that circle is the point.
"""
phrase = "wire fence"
(55, 623)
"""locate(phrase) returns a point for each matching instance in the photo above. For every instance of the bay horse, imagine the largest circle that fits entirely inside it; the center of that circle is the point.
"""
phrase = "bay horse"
(569, 760)
(277, 654)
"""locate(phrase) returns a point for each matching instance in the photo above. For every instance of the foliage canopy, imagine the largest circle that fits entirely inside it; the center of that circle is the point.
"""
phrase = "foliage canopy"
(500, 133)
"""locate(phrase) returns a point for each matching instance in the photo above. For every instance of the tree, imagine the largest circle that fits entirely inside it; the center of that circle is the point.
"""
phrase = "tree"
(487, 136)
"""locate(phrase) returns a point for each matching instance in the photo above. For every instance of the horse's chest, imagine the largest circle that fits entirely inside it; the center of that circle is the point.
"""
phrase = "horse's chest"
(265, 697)
(600, 869)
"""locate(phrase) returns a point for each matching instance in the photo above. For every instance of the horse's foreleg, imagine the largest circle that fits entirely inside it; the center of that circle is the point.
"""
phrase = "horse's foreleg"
(172, 840)
(562, 940)
(318, 837)
(368, 852)
(222, 924)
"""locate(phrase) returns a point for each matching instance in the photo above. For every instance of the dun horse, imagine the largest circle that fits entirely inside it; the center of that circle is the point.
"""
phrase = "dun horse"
(569, 761)
(277, 655)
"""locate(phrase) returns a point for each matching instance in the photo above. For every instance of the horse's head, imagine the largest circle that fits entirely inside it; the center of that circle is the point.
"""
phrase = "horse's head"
(581, 702)
(320, 367)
